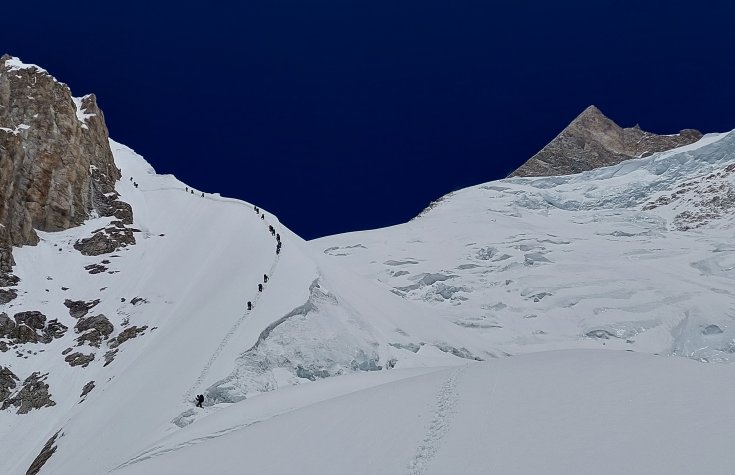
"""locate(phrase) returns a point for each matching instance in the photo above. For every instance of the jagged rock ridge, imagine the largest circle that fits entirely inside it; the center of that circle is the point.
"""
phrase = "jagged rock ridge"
(592, 140)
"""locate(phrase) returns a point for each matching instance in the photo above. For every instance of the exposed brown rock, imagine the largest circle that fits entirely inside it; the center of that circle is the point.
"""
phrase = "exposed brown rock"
(53, 329)
(79, 359)
(56, 166)
(95, 268)
(25, 334)
(46, 452)
(79, 308)
(33, 319)
(7, 326)
(6, 295)
(104, 241)
(91, 338)
(126, 335)
(33, 395)
(97, 322)
(110, 356)
(592, 140)
(26, 326)
(8, 382)
(87, 388)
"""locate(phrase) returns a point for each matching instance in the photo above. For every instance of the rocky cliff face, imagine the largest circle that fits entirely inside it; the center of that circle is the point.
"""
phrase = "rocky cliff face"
(592, 141)
(56, 166)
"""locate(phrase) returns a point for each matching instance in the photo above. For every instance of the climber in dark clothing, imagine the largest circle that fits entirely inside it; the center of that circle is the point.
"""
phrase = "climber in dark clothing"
(260, 287)
(200, 400)
(278, 237)
(262, 216)
(202, 194)
(265, 278)
(250, 305)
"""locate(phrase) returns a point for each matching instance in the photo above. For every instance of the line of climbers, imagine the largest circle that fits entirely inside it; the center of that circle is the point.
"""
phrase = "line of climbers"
(192, 191)
(200, 397)
(273, 232)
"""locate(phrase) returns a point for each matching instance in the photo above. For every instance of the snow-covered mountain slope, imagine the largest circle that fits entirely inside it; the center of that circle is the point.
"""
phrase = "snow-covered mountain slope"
(182, 290)
(566, 412)
(385, 347)
(635, 256)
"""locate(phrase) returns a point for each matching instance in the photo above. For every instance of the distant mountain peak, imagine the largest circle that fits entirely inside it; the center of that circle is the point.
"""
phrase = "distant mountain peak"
(592, 140)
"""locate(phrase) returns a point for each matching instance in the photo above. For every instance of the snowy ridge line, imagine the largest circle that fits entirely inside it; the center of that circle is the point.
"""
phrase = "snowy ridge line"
(446, 400)
(190, 392)
(209, 196)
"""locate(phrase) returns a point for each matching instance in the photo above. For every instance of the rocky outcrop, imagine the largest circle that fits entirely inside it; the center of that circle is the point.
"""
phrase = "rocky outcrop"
(8, 382)
(93, 329)
(6, 295)
(46, 452)
(79, 308)
(592, 140)
(106, 240)
(53, 329)
(79, 359)
(56, 165)
(127, 334)
(34, 394)
(98, 322)
(705, 199)
(29, 327)
(33, 319)
(87, 388)
(7, 280)
(7, 326)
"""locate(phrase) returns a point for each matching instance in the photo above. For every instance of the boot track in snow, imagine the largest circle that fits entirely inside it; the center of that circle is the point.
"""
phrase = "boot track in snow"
(446, 400)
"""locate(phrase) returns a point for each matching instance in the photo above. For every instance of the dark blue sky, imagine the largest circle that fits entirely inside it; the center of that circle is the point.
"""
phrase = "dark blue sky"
(341, 115)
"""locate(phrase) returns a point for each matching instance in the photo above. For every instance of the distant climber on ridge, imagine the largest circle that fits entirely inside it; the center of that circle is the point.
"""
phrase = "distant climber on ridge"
(260, 287)
(200, 400)
(265, 278)
(250, 305)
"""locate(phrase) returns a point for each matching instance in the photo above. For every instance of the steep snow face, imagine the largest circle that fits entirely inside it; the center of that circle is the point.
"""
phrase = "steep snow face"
(171, 320)
(636, 256)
